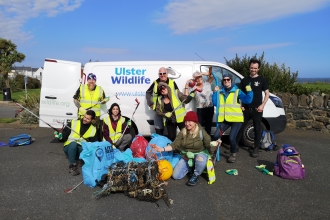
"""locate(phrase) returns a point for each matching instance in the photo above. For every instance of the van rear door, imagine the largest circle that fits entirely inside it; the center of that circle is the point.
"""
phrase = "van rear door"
(60, 81)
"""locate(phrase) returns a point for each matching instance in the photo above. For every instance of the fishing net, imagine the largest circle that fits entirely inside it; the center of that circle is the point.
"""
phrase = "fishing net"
(136, 180)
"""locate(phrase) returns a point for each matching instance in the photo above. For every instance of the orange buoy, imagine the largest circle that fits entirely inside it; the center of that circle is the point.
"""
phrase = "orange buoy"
(165, 170)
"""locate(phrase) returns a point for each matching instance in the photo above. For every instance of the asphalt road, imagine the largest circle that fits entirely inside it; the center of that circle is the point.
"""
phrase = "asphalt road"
(7, 111)
(33, 179)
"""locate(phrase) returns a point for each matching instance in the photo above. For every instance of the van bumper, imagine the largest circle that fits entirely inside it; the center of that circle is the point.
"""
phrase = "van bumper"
(278, 124)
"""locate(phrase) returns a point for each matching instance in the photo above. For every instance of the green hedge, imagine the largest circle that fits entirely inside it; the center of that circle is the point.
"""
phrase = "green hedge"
(279, 77)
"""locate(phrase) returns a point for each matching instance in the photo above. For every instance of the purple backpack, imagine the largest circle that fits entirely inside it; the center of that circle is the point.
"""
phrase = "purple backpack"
(288, 164)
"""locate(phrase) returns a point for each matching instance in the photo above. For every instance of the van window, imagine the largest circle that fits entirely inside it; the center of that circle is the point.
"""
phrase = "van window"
(236, 79)
(218, 72)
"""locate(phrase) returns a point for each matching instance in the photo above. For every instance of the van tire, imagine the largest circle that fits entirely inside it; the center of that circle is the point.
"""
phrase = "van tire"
(248, 134)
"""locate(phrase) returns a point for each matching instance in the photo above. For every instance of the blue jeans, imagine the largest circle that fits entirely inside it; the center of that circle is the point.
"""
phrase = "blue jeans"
(73, 151)
(235, 127)
(182, 168)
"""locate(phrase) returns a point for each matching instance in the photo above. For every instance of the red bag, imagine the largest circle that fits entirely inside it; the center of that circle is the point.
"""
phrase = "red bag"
(139, 146)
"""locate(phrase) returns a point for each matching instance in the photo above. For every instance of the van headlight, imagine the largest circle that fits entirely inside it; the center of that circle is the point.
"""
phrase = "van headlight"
(277, 101)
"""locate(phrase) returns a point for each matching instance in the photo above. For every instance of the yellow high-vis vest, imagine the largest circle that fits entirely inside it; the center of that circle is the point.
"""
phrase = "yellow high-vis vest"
(90, 98)
(114, 135)
(230, 110)
(74, 137)
(154, 96)
(180, 112)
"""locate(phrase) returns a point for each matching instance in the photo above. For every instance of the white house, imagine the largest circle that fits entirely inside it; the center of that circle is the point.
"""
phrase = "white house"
(26, 71)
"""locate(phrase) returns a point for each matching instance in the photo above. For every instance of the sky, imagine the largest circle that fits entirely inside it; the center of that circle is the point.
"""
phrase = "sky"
(291, 32)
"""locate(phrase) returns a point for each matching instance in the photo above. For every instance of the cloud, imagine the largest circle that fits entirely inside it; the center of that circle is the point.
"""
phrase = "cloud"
(104, 50)
(14, 13)
(257, 47)
(186, 16)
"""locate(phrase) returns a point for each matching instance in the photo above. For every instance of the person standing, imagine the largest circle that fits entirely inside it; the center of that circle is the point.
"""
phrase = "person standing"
(88, 96)
(254, 110)
(169, 107)
(230, 112)
(203, 95)
(152, 96)
(115, 128)
(81, 130)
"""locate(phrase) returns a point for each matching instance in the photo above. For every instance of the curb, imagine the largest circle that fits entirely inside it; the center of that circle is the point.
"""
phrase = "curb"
(7, 103)
(17, 126)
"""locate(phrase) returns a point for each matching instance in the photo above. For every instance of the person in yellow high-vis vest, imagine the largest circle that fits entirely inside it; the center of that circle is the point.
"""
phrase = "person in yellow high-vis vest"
(230, 112)
(81, 130)
(88, 96)
(152, 96)
(170, 108)
(195, 150)
(113, 127)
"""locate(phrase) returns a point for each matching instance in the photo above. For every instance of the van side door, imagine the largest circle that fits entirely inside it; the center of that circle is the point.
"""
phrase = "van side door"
(60, 81)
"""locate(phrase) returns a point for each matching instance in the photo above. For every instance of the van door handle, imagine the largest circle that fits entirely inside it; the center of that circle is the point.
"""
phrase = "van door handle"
(50, 97)
(69, 113)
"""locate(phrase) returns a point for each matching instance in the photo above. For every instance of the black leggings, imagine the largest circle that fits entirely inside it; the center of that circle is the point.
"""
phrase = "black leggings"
(205, 117)
(171, 129)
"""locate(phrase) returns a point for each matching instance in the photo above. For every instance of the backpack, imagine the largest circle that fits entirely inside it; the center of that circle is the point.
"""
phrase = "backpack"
(267, 141)
(19, 140)
(288, 164)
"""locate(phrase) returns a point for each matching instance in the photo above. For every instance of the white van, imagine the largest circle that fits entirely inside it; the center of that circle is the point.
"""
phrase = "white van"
(129, 80)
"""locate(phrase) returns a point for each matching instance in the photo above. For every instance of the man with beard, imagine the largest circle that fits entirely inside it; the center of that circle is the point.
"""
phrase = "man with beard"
(90, 96)
(76, 132)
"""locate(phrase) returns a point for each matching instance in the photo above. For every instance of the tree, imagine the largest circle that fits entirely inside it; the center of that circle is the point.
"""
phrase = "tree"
(8, 56)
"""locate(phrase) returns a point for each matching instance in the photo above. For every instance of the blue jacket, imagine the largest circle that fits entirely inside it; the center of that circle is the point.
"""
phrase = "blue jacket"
(245, 98)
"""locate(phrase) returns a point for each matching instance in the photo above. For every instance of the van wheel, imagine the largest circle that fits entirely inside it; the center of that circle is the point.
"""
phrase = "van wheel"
(248, 134)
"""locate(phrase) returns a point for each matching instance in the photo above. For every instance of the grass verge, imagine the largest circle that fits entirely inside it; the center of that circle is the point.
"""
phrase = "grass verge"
(7, 120)
(18, 95)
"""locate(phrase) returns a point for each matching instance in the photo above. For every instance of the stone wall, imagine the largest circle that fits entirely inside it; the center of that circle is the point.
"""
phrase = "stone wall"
(310, 112)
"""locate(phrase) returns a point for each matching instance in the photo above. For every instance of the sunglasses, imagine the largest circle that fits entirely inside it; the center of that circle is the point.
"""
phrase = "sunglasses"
(226, 80)
(196, 78)
(162, 88)
(161, 74)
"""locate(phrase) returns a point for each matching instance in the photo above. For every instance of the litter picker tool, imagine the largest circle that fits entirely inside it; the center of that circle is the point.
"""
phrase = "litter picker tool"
(55, 129)
(217, 156)
(70, 190)
(105, 100)
(64, 125)
(137, 105)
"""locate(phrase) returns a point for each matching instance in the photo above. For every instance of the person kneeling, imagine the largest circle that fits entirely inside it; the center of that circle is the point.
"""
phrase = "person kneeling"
(76, 132)
(194, 144)
(115, 129)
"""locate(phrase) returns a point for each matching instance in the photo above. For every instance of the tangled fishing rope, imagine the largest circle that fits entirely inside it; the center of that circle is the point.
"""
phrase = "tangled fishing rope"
(136, 180)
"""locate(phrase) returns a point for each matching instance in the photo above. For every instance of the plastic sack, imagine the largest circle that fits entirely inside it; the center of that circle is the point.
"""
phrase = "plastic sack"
(160, 141)
(139, 146)
(175, 160)
(98, 156)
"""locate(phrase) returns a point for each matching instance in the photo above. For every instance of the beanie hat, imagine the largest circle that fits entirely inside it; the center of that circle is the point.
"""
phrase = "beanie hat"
(191, 116)
(91, 76)
(227, 75)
